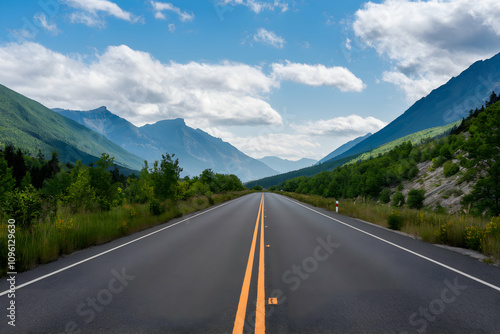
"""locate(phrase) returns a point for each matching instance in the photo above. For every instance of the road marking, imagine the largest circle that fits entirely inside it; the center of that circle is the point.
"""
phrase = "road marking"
(239, 321)
(260, 317)
(273, 301)
(404, 249)
(113, 249)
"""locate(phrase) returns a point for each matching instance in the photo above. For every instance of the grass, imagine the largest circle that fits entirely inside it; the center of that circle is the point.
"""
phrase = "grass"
(477, 233)
(416, 138)
(45, 242)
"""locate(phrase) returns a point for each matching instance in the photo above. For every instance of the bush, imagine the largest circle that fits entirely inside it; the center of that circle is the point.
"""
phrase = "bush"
(416, 199)
(450, 169)
(398, 199)
(385, 196)
(395, 221)
(24, 206)
(474, 237)
(156, 207)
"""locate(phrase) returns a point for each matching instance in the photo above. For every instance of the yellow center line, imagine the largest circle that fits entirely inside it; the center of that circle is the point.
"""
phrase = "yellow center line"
(260, 318)
(239, 322)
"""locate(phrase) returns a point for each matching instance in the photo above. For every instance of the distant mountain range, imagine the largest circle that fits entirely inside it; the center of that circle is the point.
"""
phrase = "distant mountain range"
(32, 127)
(195, 149)
(284, 165)
(446, 104)
(344, 148)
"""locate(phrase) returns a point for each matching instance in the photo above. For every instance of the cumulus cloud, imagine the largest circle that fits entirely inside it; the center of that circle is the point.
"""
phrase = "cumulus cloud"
(160, 7)
(318, 75)
(429, 41)
(138, 87)
(42, 20)
(349, 126)
(269, 37)
(90, 11)
(257, 6)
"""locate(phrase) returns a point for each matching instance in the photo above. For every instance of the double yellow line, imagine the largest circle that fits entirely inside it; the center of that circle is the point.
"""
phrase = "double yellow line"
(260, 315)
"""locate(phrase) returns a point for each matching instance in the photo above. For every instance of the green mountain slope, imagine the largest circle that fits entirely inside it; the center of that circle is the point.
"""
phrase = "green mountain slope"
(446, 104)
(31, 126)
(344, 148)
(284, 165)
(414, 138)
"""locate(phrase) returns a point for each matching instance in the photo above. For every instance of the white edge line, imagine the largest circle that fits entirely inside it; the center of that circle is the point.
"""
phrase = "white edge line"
(402, 248)
(113, 249)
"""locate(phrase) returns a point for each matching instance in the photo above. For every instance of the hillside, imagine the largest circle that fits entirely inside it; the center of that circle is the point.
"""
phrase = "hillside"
(195, 149)
(284, 165)
(28, 124)
(456, 172)
(344, 148)
(304, 172)
(415, 138)
(446, 104)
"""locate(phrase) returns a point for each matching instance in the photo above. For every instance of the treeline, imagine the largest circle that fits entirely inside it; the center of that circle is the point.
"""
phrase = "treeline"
(474, 146)
(32, 189)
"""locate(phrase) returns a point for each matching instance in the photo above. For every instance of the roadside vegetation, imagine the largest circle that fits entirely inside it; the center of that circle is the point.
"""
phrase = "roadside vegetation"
(372, 189)
(60, 208)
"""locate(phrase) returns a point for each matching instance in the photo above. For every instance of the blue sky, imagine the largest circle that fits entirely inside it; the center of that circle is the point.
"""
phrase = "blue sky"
(286, 78)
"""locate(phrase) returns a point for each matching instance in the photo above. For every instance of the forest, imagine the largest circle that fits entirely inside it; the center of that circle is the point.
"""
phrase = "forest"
(62, 207)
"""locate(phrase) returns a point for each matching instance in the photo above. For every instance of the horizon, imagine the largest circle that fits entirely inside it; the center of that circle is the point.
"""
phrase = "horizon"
(290, 80)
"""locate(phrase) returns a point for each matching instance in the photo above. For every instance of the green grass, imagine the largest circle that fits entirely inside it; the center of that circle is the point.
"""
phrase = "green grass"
(415, 138)
(475, 233)
(45, 242)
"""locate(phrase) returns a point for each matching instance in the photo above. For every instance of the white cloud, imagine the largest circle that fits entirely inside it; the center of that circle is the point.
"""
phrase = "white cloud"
(171, 27)
(159, 7)
(350, 126)
(257, 6)
(87, 19)
(269, 37)
(138, 87)
(42, 20)
(287, 146)
(90, 10)
(318, 75)
(429, 41)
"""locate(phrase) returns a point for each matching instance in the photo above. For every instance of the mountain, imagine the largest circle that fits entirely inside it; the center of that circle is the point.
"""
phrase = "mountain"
(29, 125)
(284, 165)
(446, 104)
(344, 148)
(195, 149)
(118, 130)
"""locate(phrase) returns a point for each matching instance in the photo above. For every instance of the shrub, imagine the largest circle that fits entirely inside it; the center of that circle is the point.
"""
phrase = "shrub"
(450, 169)
(398, 199)
(385, 196)
(156, 207)
(395, 221)
(416, 199)
(474, 237)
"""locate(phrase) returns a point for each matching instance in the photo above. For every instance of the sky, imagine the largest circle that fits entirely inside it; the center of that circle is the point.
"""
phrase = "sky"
(285, 78)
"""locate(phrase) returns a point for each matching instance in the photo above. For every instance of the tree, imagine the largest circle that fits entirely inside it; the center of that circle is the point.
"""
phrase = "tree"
(485, 147)
(416, 199)
(398, 199)
(7, 182)
(102, 183)
(165, 176)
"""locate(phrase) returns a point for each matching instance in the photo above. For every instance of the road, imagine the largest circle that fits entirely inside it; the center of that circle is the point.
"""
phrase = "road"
(259, 263)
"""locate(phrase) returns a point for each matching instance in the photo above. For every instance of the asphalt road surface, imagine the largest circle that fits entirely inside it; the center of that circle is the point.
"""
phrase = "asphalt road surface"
(259, 263)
